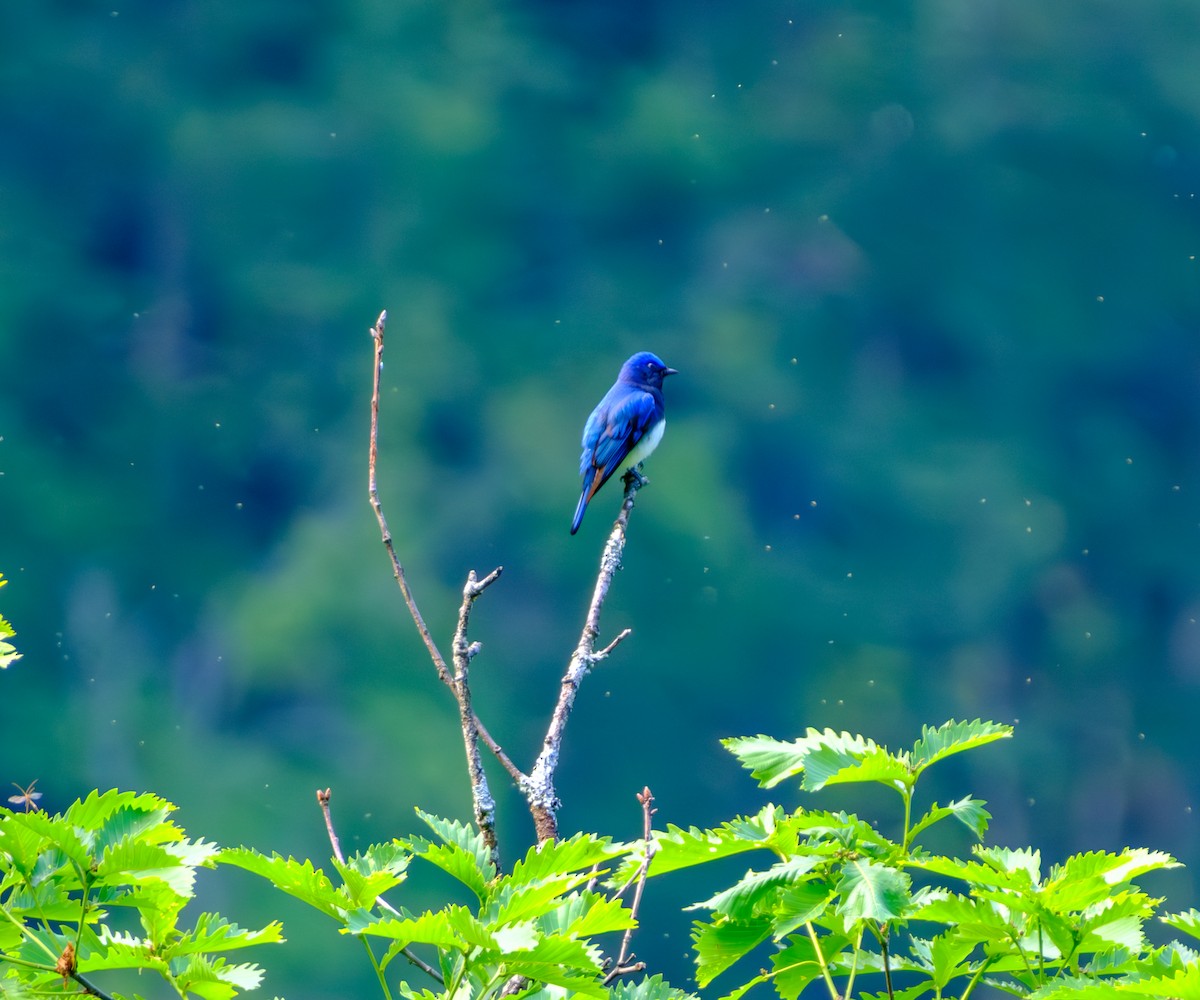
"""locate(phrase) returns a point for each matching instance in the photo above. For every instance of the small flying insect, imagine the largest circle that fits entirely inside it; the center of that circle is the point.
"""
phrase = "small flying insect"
(28, 796)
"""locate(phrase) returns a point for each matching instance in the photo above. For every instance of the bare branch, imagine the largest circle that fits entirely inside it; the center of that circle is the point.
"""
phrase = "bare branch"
(464, 651)
(439, 661)
(478, 731)
(623, 966)
(539, 786)
(612, 645)
(323, 797)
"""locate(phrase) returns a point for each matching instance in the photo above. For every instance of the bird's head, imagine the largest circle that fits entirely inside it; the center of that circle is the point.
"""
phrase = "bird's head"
(645, 369)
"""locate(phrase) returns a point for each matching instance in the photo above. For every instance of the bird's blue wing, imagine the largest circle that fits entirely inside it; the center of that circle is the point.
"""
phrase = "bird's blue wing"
(612, 430)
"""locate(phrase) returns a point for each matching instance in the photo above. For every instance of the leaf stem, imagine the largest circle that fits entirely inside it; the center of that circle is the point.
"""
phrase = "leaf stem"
(816, 943)
(854, 965)
(975, 979)
(377, 967)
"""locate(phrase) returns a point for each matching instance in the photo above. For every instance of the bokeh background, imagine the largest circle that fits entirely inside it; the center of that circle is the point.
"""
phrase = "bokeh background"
(929, 271)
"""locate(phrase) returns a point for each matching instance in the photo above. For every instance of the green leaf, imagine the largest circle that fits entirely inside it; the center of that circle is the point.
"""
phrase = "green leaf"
(954, 737)
(296, 878)
(50, 832)
(822, 757)
(214, 933)
(365, 887)
(871, 891)
(740, 901)
(968, 811)
(1116, 922)
(801, 904)
(464, 837)
(947, 956)
(839, 760)
(976, 918)
(215, 980)
(94, 812)
(460, 864)
(429, 928)
(121, 951)
(131, 862)
(1183, 985)
(554, 858)
(1187, 922)
(1113, 869)
(677, 848)
(549, 959)
(510, 904)
(798, 964)
(1024, 864)
(587, 914)
(651, 988)
(769, 760)
(721, 943)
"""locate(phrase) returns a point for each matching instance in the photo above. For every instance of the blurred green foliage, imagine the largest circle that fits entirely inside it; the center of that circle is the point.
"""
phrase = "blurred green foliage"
(928, 271)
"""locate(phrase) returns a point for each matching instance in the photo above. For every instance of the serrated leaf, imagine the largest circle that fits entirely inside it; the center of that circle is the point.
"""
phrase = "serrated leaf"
(740, 900)
(463, 837)
(1023, 863)
(91, 814)
(910, 993)
(8, 652)
(954, 737)
(871, 891)
(798, 964)
(121, 951)
(214, 933)
(587, 915)
(746, 987)
(216, 979)
(1187, 922)
(130, 862)
(1113, 869)
(948, 955)
(554, 858)
(801, 904)
(840, 762)
(978, 918)
(721, 943)
(821, 757)
(650, 988)
(510, 904)
(676, 848)
(456, 862)
(38, 832)
(429, 928)
(968, 811)
(364, 889)
(769, 760)
(297, 878)
(1083, 988)
(470, 929)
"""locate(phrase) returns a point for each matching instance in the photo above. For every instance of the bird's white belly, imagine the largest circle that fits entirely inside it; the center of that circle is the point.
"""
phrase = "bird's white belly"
(646, 445)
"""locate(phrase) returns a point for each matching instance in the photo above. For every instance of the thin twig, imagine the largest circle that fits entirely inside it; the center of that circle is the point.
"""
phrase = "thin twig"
(539, 786)
(435, 654)
(323, 797)
(623, 966)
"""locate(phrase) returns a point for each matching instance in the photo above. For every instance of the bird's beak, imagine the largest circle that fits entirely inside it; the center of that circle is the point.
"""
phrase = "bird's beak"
(670, 371)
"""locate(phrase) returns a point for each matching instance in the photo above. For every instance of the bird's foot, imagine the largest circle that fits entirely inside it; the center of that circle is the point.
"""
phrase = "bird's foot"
(634, 475)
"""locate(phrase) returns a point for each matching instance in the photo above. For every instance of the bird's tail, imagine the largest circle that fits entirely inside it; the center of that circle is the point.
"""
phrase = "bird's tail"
(583, 502)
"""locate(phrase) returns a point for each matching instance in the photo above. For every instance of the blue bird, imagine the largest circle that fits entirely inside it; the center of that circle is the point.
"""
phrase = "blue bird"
(624, 428)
